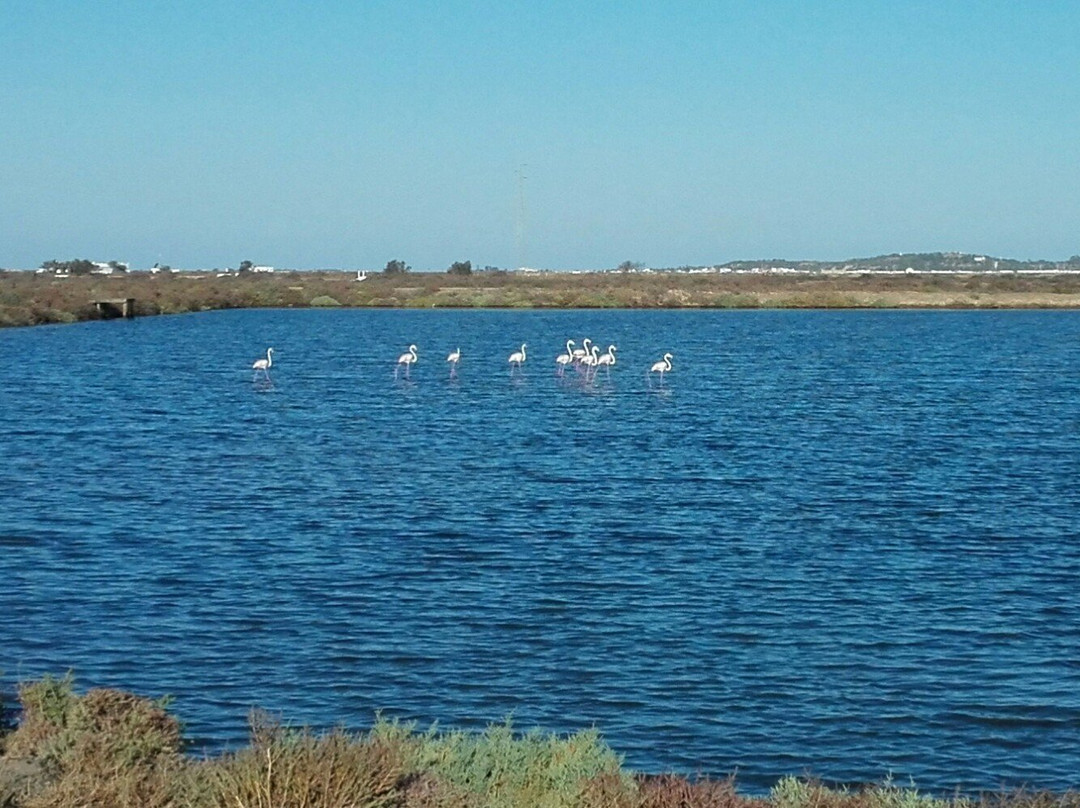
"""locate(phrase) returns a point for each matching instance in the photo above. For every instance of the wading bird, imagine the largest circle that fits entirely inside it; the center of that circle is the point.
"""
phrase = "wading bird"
(661, 367)
(517, 358)
(562, 360)
(406, 359)
(263, 365)
(580, 353)
(589, 361)
(453, 359)
(607, 360)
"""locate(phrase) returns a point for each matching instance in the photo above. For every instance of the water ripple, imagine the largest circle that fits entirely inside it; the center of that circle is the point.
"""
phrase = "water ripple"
(841, 542)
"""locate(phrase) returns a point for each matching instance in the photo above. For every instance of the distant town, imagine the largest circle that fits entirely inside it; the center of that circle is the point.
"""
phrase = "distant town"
(948, 263)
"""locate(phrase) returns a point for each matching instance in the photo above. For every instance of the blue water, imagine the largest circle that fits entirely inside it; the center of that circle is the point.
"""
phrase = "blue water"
(843, 543)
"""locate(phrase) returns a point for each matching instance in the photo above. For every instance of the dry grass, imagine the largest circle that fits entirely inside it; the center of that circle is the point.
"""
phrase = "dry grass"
(297, 768)
(30, 299)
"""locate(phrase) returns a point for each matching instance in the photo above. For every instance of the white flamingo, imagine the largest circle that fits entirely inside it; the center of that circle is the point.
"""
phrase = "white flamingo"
(589, 361)
(263, 364)
(407, 359)
(580, 353)
(517, 358)
(562, 360)
(607, 360)
(662, 367)
(453, 359)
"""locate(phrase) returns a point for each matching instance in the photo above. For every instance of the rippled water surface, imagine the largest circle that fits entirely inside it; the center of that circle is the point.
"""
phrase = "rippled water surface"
(842, 542)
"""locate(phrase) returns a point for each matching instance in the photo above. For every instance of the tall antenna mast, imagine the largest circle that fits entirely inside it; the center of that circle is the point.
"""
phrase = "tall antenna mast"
(519, 228)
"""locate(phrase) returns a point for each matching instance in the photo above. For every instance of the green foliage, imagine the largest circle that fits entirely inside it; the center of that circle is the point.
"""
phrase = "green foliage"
(77, 266)
(460, 268)
(791, 792)
(890, 795)
(396, 267)
(46, 709)
(505, 768)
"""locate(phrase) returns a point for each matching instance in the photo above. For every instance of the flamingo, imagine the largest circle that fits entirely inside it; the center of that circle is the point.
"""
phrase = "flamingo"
(579, 354)
(562, 360)
(517, 358)
(607, 360)
(263, 365)
(662, 367)
(590, 360)
(406, 359)
(453, 360)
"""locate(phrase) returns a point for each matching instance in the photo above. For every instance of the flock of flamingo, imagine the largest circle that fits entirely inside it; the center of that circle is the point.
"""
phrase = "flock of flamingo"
(587, 359)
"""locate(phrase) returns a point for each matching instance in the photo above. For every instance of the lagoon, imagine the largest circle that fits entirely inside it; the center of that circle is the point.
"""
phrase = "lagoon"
(842, 542)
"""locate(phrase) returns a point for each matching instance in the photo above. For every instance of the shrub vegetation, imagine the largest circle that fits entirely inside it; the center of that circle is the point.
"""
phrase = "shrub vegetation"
(112, 749)
(31, 299)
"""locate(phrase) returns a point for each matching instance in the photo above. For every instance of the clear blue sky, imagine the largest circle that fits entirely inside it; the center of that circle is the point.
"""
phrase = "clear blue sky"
(344, 134)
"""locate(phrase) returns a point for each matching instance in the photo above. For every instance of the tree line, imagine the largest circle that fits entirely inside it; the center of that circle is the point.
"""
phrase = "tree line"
(81, 266)
(399, 267)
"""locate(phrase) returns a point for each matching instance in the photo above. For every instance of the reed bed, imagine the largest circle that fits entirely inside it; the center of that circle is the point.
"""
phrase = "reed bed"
(113, 749)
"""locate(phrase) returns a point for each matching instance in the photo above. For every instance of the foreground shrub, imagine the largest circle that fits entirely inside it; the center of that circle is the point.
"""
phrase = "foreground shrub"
(46, 709)
(107, 748)
(791, 792)
(110, 749)
(284, 767)
(1028, 799)
(499, 767)
(672, 791)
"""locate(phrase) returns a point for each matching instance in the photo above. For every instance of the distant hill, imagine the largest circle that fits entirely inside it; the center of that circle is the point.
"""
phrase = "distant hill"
(909, 262)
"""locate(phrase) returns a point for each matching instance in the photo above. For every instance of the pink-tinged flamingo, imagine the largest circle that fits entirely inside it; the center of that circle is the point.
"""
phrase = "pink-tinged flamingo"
(517, 359)
(453, 359)
(263, 365)
(661, 367)
(562, 360)
(407, 359)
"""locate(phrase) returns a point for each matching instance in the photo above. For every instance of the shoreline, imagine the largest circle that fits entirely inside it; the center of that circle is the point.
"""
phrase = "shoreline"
(37, 299)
